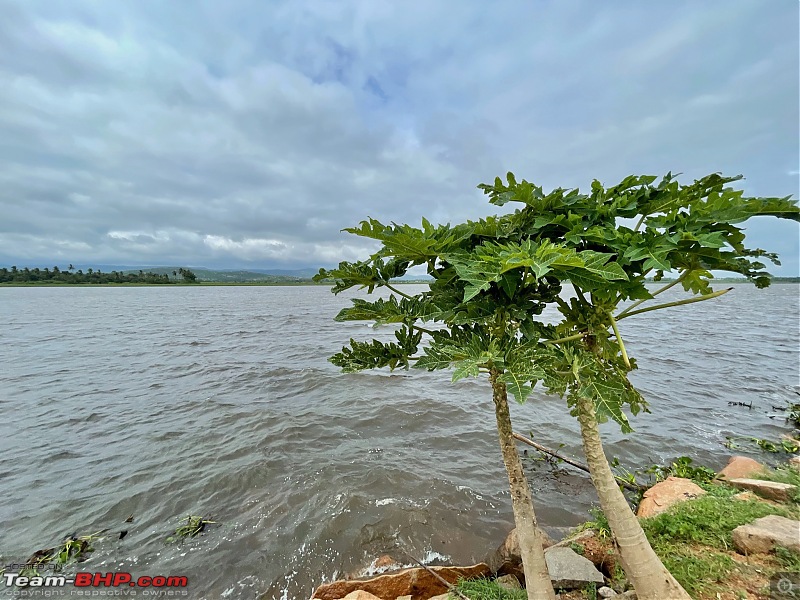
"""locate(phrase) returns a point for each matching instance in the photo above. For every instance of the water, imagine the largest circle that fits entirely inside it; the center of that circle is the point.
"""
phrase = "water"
(165, 401)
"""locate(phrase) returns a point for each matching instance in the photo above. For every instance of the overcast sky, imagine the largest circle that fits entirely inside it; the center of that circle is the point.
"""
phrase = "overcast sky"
(247, 134)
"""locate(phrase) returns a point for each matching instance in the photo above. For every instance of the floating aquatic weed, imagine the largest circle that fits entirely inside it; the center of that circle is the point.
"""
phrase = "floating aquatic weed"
(72, 549)
(193, 526)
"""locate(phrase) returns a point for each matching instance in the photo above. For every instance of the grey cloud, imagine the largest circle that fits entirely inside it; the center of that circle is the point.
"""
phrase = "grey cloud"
(248, 133)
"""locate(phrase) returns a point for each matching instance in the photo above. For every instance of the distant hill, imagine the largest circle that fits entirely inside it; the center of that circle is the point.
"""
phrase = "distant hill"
(239, 276)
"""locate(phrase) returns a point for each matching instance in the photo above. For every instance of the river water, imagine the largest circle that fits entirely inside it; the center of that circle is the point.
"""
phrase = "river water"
(166, 401)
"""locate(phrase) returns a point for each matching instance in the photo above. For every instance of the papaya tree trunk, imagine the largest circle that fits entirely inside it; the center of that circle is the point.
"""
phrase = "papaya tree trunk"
(537, 579)
(644, 569)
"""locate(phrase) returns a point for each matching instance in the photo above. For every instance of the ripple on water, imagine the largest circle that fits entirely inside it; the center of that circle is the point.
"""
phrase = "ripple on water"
(163, 402)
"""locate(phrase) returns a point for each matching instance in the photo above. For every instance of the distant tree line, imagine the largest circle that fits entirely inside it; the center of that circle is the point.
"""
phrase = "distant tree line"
(73, 275)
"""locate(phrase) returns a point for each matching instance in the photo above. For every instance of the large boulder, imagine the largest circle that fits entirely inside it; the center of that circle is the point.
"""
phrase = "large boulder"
(739, 467)
(667, 493)
(507, 560)
(766, 489)
(570, 571)
(762, 535)
(418, 583)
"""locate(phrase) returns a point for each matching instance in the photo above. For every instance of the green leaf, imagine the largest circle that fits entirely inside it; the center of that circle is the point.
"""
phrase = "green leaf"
(521, 370)
(607, 398)
(381, 311)
(597, 263)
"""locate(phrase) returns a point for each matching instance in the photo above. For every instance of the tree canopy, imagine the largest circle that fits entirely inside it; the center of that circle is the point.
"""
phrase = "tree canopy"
(492, 278)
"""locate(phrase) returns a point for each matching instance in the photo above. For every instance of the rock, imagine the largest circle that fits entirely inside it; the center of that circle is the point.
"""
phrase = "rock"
(508, 582)
(507, 560)
(667, 493)
(794, 462)
(570, 571)
(629, 595)
(385, 562)
(600, 551)
(360, 595)
(406, 597)
(739, 467)
(440, 597)
(418, 583)
(762, 535)
(751, 497)
(766, 489)
(606, 592)
(382, 564)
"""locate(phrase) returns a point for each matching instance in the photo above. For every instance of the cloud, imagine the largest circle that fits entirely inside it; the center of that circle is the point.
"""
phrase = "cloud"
(249, 133)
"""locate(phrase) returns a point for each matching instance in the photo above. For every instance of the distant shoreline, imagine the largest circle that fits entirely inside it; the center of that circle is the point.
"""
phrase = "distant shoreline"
(777, 280)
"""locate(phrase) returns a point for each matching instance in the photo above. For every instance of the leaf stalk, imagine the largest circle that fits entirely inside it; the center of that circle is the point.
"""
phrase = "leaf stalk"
(656, 293)
(620, 342)
(676, 303)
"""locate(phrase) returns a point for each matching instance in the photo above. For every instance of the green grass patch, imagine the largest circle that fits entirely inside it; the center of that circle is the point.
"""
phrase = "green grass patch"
(697, 571)
(487, 589)
(691, 537)
(708, 520)
(788, 559)
(719, 491)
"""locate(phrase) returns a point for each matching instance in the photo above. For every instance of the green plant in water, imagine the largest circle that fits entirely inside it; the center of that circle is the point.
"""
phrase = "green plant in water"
(193, 526)
(72, 549)
(793, 415)
(492, 278)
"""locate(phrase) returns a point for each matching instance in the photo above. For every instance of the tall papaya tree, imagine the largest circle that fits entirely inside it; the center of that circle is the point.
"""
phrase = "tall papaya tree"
(688, 229)
(490, 281)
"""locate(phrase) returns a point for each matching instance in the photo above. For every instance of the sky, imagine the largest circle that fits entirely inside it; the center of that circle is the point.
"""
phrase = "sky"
(247, 134)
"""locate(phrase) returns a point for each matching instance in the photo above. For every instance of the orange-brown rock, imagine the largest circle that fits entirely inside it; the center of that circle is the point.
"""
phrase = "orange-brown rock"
(667, 493)
(360, 595)
(384, 561)
(740, 467)
(418, 583)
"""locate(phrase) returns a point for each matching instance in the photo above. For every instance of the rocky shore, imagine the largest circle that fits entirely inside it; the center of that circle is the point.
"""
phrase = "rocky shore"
(735, 538)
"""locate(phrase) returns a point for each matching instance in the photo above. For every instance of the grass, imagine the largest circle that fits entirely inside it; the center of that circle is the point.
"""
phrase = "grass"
(487, 589)
(708, 520)
(694, 539)
(788, 559)
(599, 524)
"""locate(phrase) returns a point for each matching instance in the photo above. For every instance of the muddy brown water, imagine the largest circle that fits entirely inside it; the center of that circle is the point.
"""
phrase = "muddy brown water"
(161, 402)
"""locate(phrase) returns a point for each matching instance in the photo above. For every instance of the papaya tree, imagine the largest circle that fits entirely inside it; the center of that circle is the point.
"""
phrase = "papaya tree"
(491, 280)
